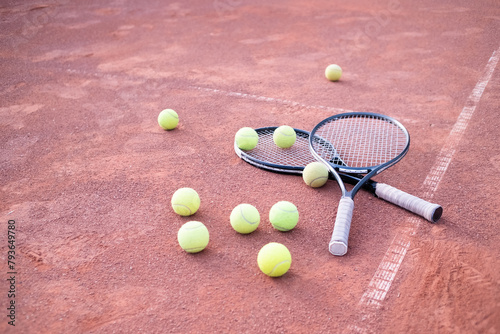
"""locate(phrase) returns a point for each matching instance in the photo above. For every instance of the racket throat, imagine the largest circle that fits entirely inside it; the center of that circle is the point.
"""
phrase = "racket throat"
(365, 182)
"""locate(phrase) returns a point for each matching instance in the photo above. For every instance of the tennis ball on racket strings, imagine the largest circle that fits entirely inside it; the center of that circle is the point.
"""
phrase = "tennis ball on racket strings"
(185, 201)
(284, 216)
(245, 218)
(315, 174)
(284, 136)
(246, 138)
(274, 259)
(193, 236)
(333, 72)
(168, 119)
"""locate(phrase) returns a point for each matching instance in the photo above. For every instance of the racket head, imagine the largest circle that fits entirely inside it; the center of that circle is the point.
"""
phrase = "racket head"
(359, 142)
(268, 156)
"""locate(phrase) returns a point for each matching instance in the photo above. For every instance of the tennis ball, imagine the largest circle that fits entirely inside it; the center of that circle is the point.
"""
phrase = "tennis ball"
(245, 218)
(315, 174)
(284, 136)
(168, 119)
(274, 259)
(193, 237)
(333, 72)
(284, 216)
(185, 201)
(246, 138)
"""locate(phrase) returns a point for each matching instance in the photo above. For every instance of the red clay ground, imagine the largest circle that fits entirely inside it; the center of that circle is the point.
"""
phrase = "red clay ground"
(87, 174)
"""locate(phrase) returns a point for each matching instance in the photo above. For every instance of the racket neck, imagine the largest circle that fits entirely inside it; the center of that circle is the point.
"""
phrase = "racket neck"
(365, 180)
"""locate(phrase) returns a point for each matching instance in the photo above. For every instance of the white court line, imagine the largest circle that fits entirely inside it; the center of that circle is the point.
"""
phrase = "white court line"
(388, 268)
(217, 91)
(269, 99)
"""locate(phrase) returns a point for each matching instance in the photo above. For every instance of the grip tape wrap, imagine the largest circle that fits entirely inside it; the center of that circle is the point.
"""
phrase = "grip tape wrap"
(430, 211)
(338, 243)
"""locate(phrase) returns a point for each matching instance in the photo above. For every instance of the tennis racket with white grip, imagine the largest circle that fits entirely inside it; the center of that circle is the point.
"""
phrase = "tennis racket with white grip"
(364, 144)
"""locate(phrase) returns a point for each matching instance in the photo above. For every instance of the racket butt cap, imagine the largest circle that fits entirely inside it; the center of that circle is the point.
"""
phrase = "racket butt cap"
(438, 212)
(338, 248)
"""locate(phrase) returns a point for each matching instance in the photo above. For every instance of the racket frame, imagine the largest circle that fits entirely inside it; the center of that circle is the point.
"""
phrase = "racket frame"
(345, 209)
(362, 173)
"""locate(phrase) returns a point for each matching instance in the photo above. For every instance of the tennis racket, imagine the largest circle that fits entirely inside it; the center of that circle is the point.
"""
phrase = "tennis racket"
(266, 155)
(366, 144)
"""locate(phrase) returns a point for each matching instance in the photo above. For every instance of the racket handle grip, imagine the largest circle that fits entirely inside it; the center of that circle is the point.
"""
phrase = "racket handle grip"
(338, 243)
(430, 211)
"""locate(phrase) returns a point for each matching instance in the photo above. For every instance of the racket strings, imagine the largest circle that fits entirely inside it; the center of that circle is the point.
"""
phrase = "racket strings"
(296, 156)
(360, 141)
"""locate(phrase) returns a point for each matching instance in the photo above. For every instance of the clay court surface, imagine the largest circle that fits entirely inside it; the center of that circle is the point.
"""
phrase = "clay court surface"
(87, 174)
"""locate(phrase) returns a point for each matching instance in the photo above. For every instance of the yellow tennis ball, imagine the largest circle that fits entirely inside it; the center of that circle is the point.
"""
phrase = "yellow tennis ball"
(274, 259)
(284, 136)
(284, 216)
(193, 237)
(168, 119)
(333, 72)
(245, 218)
(246, 138)
(315, 174)
(185, 201)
